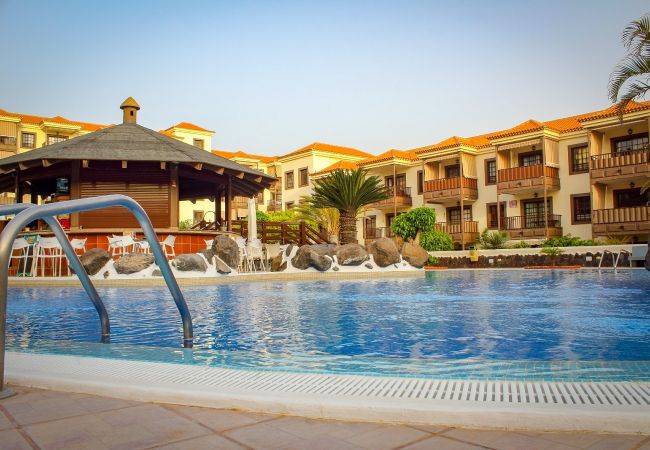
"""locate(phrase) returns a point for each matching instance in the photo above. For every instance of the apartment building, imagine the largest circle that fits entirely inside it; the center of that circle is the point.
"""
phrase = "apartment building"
(298, 166)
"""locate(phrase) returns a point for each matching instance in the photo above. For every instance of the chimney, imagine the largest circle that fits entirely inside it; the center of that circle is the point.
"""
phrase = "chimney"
(130, 110)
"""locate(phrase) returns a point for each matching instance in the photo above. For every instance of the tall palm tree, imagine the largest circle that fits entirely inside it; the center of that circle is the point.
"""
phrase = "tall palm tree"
(633, 70)
(348, 191)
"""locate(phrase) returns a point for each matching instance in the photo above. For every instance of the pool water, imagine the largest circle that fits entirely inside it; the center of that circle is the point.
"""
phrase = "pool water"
(570, 325)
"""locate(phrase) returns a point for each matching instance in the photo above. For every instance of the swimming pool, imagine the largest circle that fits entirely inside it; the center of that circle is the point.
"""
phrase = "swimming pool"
(521, 325)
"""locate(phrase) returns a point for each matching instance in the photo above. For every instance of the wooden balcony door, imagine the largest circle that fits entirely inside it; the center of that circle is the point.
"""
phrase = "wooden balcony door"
(492, 216)
(534, 212)
(453, 214)
(397, 184)
(628, 198)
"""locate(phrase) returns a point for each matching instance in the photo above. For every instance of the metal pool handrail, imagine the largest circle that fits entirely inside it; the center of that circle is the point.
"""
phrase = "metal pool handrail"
(74, 262)
(51, 210)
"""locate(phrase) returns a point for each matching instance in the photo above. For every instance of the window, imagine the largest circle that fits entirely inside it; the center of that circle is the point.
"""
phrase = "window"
(197, 216)
(628, 198)
(7, 140)
(534, 213)
(401, 183)
(370, 230)
(579, 159)
(530, 159)
(630, 143)
(199, 143)
(420, 181)
(492, 218)
(27, 140)
(453, 214)
(580, 208)
(303, 177)
(288, 180)
(452, 171)
(490, 171)
(53, 139)
(289, 205)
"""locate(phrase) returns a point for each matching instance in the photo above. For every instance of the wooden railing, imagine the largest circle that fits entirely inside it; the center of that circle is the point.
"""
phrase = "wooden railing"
(298, 233)
(470, 226)
(629, 158)
(377, 232)
(621, 215)
(526, 172)
(442, 184)
(532, 221)
(274, 205)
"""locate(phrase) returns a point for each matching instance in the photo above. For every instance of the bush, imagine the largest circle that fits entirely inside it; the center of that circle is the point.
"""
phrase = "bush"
(492, 239)
(432, 261)
(567, 241)
(520, 244)
(407, 225)
(185, 224)
(262, 216)
(552, 251)
(436, 240)
(282, 216)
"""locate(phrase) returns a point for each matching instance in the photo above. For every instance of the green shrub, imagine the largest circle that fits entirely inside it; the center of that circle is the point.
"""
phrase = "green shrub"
(436, 240)
(432, 261)
(262, 216)
(520, 244)
(567, 241)
(615, 240)
(492, 239)
(407, 225)
(552, 251)
(282, 216)
(185, 224)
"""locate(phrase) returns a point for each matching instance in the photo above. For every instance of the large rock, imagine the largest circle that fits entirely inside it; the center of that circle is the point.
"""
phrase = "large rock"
(226, 249)
(278, 264)
(414, 254)
(94, 259)
(208, 254)
(133, 262)
(221, 266)
(189, 262)
(384, 251)
(308, 257)
(351, 255)
(324, 249)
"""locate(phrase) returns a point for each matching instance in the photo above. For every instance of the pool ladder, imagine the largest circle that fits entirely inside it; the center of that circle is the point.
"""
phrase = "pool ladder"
(615, 258)
(28, 212)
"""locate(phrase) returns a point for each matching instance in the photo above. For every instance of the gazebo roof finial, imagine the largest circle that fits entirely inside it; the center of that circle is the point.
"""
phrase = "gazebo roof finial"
(130, 108)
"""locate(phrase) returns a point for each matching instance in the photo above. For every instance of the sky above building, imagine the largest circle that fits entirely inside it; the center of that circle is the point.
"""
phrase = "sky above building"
(272, 76)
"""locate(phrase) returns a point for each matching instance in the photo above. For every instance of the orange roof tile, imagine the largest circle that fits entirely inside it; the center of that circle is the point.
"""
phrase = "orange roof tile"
(456, 141)
(168, 133)
(189, 126)
(319, 146)
(240, 154)
(390, 155)
(340, 165)
(613, 111)
(36, 120)
(525, 127)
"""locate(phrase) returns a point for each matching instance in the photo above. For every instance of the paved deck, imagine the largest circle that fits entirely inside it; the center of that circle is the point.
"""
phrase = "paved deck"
(43, 419)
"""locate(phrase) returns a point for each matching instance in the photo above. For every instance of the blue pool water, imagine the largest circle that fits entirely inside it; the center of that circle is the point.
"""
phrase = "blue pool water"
(570, 325)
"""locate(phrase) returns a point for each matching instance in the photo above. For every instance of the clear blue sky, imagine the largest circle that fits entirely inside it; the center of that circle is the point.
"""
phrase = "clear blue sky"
(272, 76)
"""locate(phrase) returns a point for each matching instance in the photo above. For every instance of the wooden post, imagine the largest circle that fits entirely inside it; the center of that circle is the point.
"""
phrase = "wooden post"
(217, 209)
(544, 181)
(229, 202)
(18, 191)
(462, 205)
(394, 191)
(173, 196)
(496, 164)
(303, 233)
(75, 191)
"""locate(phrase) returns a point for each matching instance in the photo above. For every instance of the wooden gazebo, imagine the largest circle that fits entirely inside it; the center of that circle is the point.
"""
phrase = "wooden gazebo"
(156, 170)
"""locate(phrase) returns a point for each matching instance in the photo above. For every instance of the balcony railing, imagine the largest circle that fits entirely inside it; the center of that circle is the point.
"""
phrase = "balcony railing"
(528, 178)
(452, 228)
(628, 158)
(532, 221)
(621, 215)
(399, 197)
(442, 184)
(377, 232)
(446, 189)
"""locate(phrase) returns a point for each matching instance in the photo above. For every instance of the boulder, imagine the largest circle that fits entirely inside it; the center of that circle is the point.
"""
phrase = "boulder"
(308, 257)
(384, 251)
(208, 254)
(227, 250)
(335, 268)
(289, 249)
(278, 264)
(414, 254)
(133, 262)
(324, 249)
(369, 266)
(94, 259)
(156, 273)
(351, 255)
(189, 262)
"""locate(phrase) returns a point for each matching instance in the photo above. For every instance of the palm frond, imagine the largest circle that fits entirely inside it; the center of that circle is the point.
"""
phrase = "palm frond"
(629, 68)
(636, 36)
(348, 190)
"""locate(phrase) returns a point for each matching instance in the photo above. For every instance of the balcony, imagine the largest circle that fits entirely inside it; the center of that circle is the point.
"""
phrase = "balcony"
(533, 226)
(617, 221)
(448, 189)
(624, 166)
(527, 179)
(370, 233)
(400, 199)
(274, 205)
(454, 229)
(8, 145)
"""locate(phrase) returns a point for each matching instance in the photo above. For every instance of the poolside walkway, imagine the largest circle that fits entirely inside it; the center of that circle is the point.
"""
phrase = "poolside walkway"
(42, 419)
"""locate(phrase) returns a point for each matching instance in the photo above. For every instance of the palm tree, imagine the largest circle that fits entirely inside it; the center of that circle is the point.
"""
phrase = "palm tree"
(634, 69)
(348, 192)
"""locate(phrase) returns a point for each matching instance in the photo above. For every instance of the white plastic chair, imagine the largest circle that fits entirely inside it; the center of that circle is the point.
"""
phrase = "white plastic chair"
(272, 250)
(208, 243)
(120, 245)
(77, 244)
(256, 253)
(244, 260)
(26, 251)
(169, 242)
(49, 248)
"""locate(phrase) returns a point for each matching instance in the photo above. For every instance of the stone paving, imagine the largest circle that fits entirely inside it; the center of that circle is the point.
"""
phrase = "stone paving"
(40, 419)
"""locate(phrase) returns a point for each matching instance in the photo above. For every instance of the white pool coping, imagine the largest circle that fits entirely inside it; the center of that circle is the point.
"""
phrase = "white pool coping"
(617, 407)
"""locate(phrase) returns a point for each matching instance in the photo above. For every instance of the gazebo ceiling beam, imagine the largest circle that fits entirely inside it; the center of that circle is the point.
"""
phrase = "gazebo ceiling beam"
(221, 180)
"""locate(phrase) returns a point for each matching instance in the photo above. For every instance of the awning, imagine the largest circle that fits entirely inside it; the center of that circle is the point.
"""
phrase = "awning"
(519, 144)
